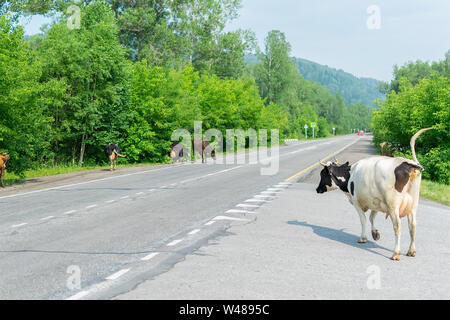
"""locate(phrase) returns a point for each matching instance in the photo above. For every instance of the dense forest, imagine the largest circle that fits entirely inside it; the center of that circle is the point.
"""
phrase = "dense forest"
(134, 71)
(418, 97)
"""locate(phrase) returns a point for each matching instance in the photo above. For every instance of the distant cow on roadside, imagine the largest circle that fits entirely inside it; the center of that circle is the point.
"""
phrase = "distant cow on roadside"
(178, 151)
(379, 184)
(204, 148)
(112, 152)
(385, 149)
(4, 157)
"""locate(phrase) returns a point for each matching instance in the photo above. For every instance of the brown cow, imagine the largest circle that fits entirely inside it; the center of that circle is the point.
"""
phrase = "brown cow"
(385, 149)
(3, 163)
(205, 147)
(112, 152)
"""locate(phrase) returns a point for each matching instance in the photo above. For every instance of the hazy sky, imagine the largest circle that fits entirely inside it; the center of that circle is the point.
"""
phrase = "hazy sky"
(335, 32)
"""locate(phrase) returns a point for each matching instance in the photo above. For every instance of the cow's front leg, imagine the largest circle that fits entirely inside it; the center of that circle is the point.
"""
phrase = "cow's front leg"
(375, 232)
(1, 176)
(397, 231)
(362, 217)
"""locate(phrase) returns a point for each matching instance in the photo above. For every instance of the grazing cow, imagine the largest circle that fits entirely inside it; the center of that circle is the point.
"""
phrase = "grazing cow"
(4, 157)
(385, 149)
(178, 151)
(379, 184)
(205, 147)
(112, 152)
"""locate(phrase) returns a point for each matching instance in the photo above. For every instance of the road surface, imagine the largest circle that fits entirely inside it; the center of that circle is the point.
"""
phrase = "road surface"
(135, 235)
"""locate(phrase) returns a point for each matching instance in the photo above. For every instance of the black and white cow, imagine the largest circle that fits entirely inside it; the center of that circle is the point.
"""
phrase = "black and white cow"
(178, 151)
(379, 184)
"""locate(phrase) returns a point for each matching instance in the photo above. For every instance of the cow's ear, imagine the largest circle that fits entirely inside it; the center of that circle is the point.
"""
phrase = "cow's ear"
(347, 163)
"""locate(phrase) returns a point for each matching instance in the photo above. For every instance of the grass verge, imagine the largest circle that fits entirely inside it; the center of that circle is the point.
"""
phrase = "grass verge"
(435, 191)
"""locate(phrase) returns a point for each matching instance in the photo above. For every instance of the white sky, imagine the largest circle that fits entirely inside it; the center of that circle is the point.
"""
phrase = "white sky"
(335, 32)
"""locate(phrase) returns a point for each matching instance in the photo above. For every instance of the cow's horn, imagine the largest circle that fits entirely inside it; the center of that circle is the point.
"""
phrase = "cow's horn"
(323, 164)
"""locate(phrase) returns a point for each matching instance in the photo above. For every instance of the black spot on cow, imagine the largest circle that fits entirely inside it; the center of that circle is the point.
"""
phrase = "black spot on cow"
(402, 174)
(352, 188)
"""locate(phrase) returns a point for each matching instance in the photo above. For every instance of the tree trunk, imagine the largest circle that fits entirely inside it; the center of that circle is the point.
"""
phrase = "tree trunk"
(83, 145)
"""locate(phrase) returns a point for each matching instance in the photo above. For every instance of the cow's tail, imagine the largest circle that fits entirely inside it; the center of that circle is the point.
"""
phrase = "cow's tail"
(413, 142)
(119, 155)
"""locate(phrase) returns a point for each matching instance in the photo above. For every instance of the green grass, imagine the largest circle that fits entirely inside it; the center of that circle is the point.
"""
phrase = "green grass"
(435, 191)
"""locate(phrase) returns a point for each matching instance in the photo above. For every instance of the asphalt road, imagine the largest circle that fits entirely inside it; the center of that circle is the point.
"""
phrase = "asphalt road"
(303, 245)
(101, 238)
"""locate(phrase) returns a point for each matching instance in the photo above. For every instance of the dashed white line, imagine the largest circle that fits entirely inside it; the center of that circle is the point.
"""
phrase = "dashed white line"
(271, 192)
(174, 242)
(139, 193)
(110, 201)
(125, 197)
(79, 295)
(209, 223)
(237, 211)
(243, 205)
(47, 218)
(18, 225)
(118, 274)
(70, 211)
(274, 189)
(256, 200)
(262, 197)
(229, 218)
(91, 206)
(193, 232)
(150, 256)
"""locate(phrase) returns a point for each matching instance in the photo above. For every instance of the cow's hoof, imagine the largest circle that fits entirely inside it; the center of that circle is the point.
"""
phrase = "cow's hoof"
(375, 235)
(411, 253)
(362, 240)
(396, 256)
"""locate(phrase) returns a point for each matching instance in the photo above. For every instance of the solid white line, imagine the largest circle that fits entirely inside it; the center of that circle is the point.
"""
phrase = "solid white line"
(150, 256)
(91, 206)
(209, 223)
(193, 232)
(70, 211)
(174, 242)
(117, 274)
(18, 225)
(46, 218)
(79, 295)
(81, 183)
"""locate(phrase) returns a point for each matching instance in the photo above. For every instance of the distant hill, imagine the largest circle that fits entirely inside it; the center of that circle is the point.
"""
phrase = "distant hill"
(353, 89)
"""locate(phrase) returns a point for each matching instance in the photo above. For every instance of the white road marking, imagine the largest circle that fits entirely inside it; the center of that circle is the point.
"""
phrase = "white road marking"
(285, 183)
(125, 197)
(274, 189)
(139, 193)
(174, 242)
(271, 192)
(243, 205)
(118, 274)
(256, 200)
(79, 295)
(229, 218)
(46, 218)
(151, 190)
(110, 201)
(262, 197)
(70, 211)
(281, 186)
(91, 206)
(18, 225)
(193, 232)
(209, 223)
(150, 256)
(237, 211)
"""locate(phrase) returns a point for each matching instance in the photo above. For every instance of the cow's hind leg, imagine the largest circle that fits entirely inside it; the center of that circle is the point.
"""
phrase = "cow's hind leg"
(395, 217)
(412, 233)
(375, 232)
(1, 177)
(362, 217)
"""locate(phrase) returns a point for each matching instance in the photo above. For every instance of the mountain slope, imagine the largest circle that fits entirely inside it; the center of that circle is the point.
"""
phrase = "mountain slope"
(351, 88)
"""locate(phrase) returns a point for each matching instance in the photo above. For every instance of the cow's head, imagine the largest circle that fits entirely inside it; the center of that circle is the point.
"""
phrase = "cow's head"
(334, 176)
